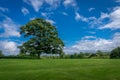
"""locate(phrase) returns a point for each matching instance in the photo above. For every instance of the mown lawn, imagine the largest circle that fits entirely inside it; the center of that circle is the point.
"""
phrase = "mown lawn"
(60, 69)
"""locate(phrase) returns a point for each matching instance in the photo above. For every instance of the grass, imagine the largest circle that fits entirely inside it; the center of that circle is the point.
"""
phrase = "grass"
(60, 69)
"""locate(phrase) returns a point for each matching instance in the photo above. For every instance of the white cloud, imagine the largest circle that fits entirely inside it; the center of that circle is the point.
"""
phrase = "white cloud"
(117, 1)
(9, 48)
(3, 9)
(47, 14)
(107, 20)
(68, 3)
(91, 32)
(114, 17)
(44, 14)
(50, 21)
(36, 4)
(9, 27)
(103, 16)
(97, 22)
(89, 37)
(25, 11)
(110, 21)
(91, 20)
(53, 3)
(64, 13)
(94, 45)
(32, 18)
(79, 17)
(91, 9)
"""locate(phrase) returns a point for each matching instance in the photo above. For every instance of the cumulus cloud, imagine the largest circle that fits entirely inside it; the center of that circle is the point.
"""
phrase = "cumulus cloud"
(91, 32)
(80, 17)
(37, 4)
(64, 13)
(91, 9)
(114, 17)
(97, 22)
(50, 21)
(68, 3)
(46, 14)
(117, 1)
(3, 9)
(90, 20)
(107, 20)
(53, 3)
(32, 18)
(89, 37)
(9, 47)
(93, 21)
(85, 45)
(25, 11)
(9, 28)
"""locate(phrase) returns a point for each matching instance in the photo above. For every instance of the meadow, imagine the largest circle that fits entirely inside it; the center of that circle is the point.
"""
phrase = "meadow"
(60, 69)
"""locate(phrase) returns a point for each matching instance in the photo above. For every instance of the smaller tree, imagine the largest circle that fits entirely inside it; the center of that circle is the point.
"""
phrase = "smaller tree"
(1, 54)
(115, 53)
(75, 55)
(100, 53)
(81, 55)
(92, 55)
(62, 55)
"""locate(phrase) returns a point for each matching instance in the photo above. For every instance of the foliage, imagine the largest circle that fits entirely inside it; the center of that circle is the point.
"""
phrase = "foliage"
(1, 54)
(43, 38)
(85, 55)
(81, 55)
(115, 53)
(92, 55)
(99, 53)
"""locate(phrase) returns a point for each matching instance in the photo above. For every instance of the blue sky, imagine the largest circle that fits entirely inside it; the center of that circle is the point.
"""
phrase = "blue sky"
(83, 25)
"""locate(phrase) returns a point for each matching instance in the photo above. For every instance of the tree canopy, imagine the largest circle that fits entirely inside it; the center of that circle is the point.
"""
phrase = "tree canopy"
(115, 53)
(1, 54)
(43, 38)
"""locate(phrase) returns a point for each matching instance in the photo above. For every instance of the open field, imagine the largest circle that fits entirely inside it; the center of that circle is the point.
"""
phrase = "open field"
(60, 69)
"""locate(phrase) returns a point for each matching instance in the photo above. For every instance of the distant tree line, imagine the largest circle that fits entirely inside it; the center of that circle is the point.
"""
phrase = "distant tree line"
(114, 54)
(87, 55)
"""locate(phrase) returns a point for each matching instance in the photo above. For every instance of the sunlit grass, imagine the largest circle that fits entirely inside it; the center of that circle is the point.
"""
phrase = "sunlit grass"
(60, 69)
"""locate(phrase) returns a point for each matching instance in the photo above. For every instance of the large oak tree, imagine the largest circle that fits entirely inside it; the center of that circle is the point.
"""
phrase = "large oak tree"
(43, 38)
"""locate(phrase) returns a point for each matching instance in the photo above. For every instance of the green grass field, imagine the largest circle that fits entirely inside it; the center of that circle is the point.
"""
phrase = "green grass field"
(60, 69)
